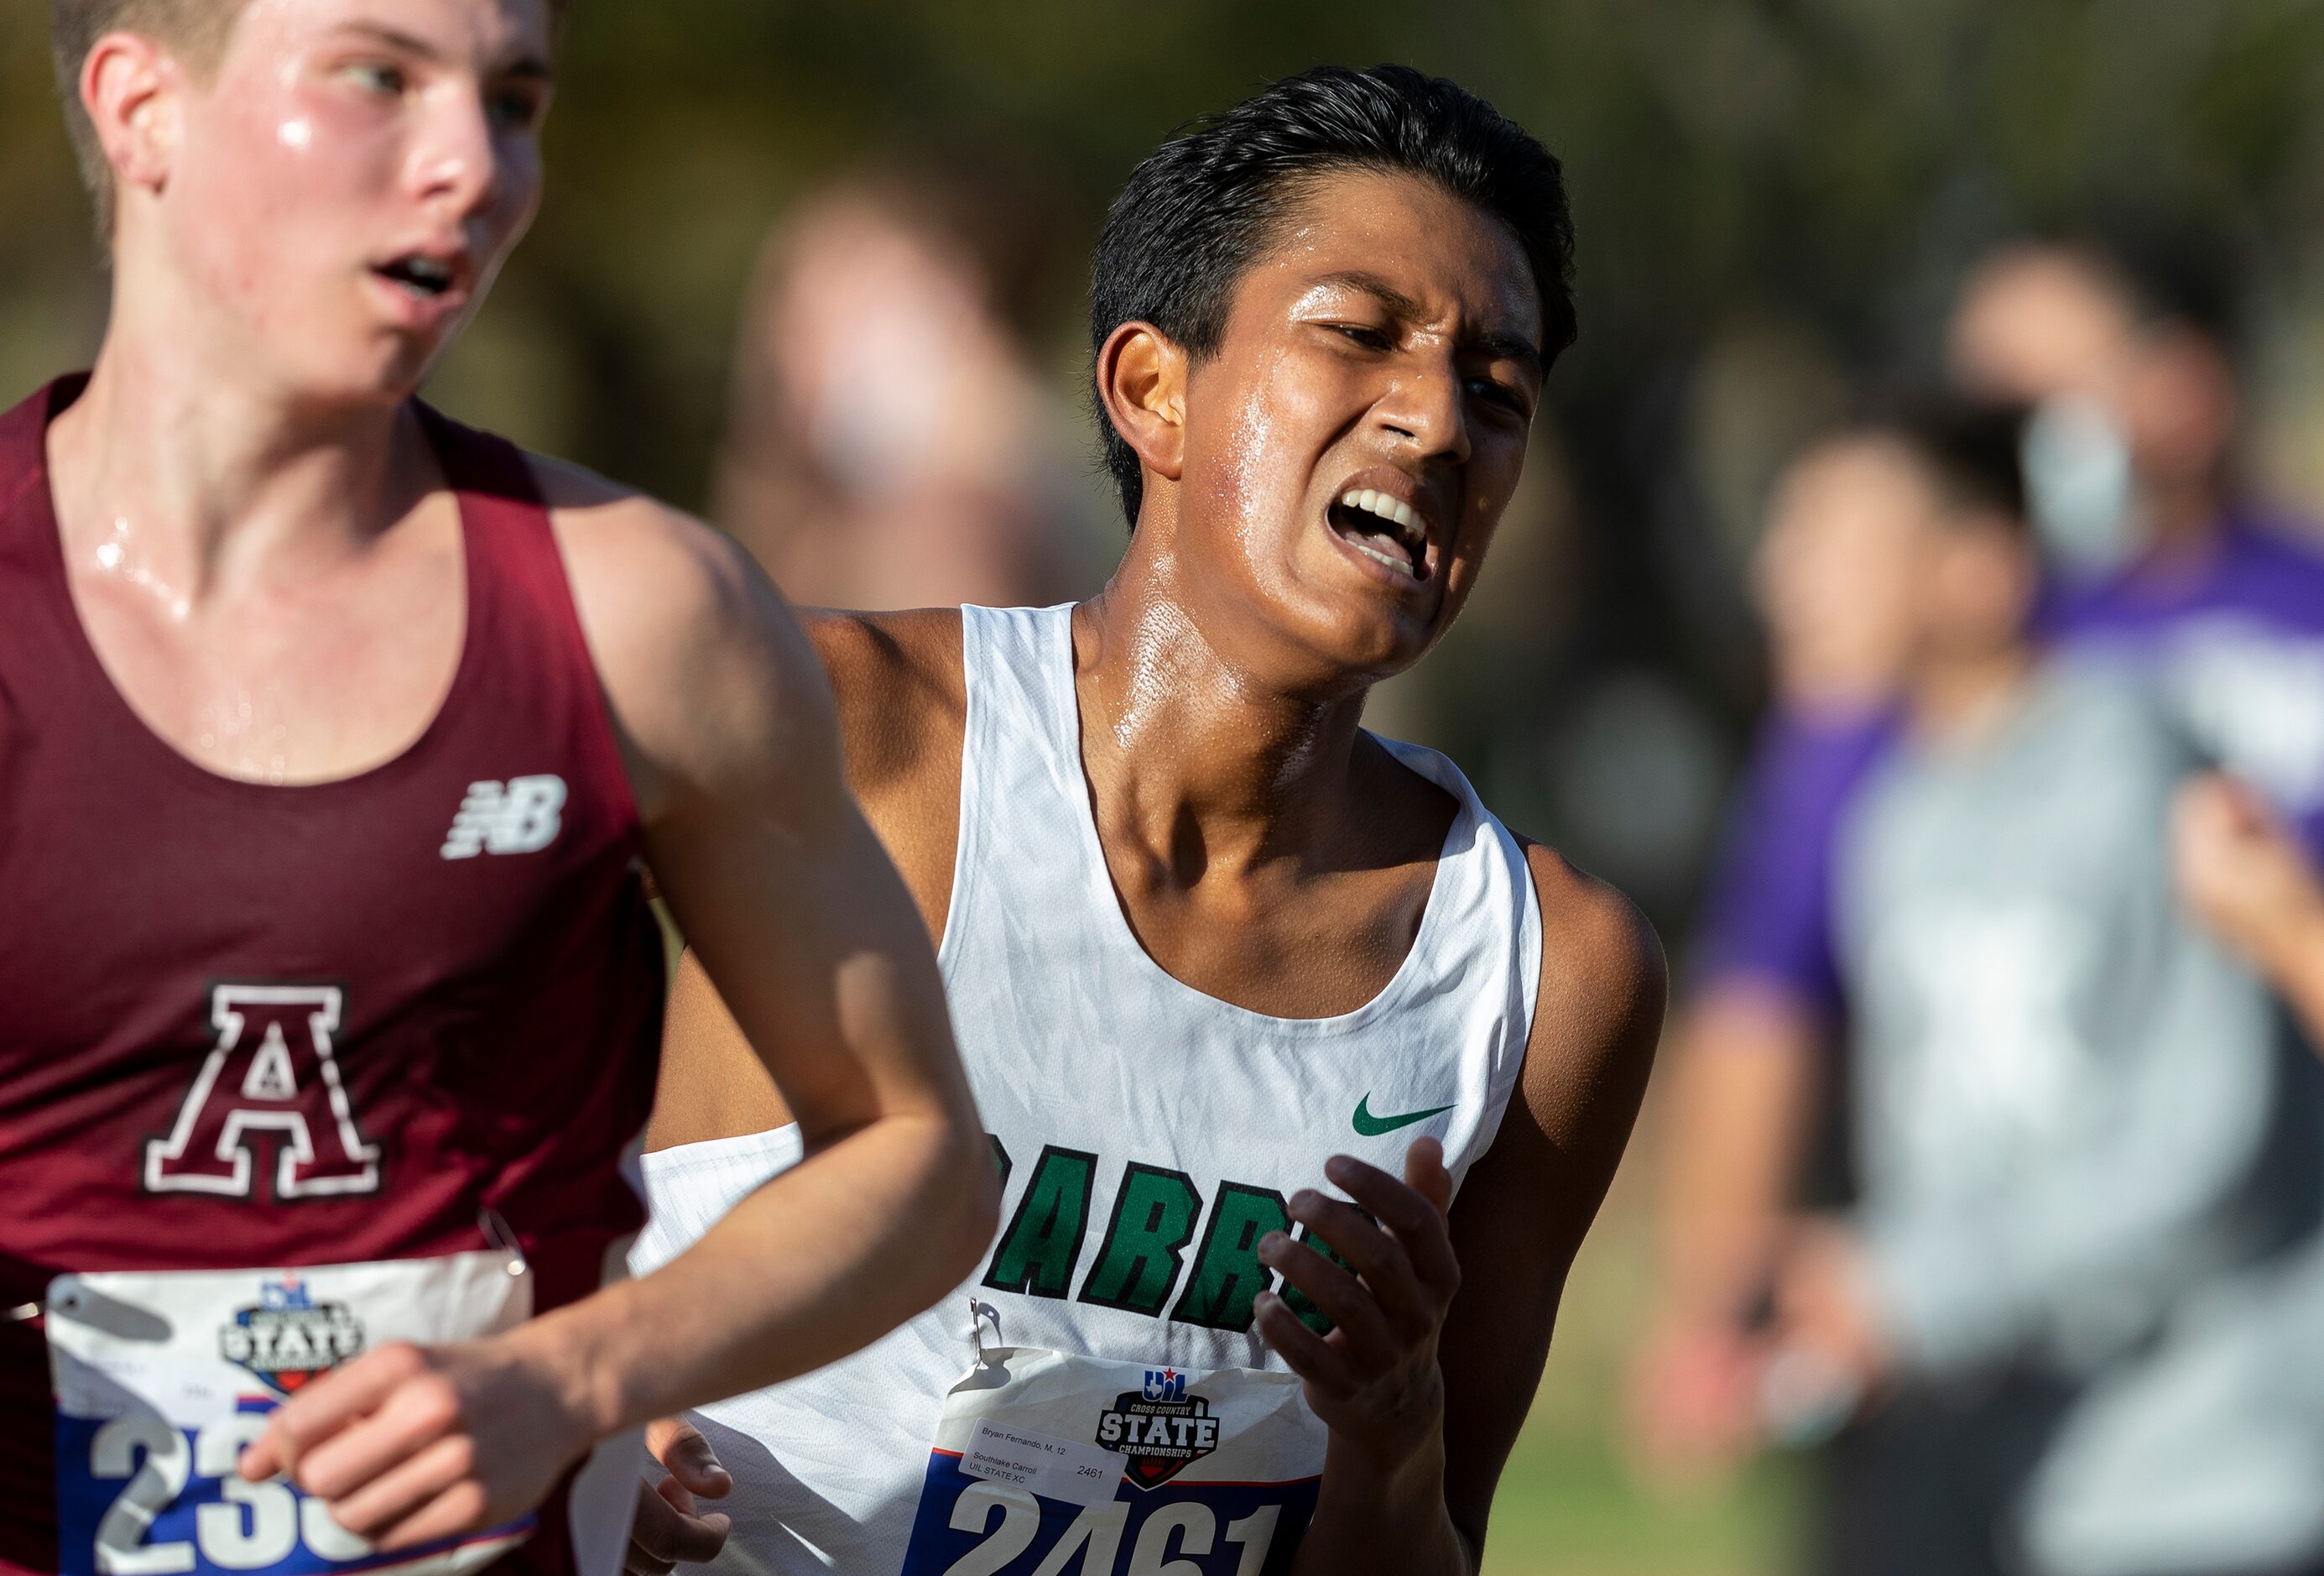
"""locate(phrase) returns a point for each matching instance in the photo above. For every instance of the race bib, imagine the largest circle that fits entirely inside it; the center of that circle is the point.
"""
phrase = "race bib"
(163, 1377)
(1049, 1464)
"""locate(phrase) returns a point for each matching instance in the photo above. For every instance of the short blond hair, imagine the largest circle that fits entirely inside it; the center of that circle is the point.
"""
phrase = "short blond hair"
(195, 30)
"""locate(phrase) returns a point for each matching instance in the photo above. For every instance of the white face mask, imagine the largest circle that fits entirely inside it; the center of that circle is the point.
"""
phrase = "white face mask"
(2077, 480)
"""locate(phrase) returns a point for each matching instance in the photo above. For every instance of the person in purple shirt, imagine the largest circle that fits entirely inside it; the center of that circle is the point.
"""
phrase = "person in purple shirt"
(2124, 355)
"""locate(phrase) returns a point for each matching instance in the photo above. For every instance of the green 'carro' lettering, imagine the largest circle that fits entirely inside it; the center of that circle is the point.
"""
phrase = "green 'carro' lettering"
(1138, 1262)
(1036, 1252)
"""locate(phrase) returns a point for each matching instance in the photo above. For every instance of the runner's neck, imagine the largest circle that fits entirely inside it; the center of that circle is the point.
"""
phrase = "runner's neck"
(211, 479)
(1204, 765)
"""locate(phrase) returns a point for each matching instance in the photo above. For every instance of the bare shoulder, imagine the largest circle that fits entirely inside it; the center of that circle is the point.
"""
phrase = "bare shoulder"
(706, 669)
(903, 693)
(903, 721)
(1604, 984)
(634, 557)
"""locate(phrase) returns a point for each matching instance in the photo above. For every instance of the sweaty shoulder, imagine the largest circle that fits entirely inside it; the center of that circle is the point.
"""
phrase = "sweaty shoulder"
(903, 696)
(1599, 1017)
(706, 673)
(903, 717)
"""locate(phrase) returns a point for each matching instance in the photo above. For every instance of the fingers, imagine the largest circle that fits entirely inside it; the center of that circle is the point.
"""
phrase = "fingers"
(667, 1533)
(422, 1410)
(1389, 1284)
(1309, 1355)
(1354, 1311)
(1418, 1221)
(383, 1505)
(461, 1509)
(688, 1457)
(325, 1407)
(1424, 1174)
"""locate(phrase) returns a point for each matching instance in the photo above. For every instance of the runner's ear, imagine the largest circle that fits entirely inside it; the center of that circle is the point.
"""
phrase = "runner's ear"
(127, 86)
(1141, 378)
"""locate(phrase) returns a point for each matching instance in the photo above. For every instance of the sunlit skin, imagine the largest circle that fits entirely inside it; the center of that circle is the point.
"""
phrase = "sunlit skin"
(262, 554)
(1389, 341)
(337, 136)
(256, 526)
(1267, 852)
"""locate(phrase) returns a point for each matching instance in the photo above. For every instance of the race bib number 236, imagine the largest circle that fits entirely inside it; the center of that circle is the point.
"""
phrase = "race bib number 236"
(162, 1378)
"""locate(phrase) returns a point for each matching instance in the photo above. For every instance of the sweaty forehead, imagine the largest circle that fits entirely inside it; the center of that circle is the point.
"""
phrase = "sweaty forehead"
(1450, 258)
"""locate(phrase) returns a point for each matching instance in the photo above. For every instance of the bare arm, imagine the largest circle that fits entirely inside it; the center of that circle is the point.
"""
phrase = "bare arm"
(902, 707)
(784, 894)
(2246, 876)
(1417, 1453)
(1739, 1099)
(802, 922)
(1742, 1096)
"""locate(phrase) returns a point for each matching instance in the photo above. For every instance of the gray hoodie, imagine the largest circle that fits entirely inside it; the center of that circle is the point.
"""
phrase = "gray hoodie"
(2064, 1106)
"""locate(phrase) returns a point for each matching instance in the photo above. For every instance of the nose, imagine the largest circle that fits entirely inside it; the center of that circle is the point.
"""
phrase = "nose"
(456, 160)
(1424, 407)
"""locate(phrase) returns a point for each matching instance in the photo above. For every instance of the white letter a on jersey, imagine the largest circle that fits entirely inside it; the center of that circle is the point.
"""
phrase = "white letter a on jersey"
(272, 1074)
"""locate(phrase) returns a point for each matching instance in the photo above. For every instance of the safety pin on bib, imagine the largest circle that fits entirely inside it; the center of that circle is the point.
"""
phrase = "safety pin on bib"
(497, 1234)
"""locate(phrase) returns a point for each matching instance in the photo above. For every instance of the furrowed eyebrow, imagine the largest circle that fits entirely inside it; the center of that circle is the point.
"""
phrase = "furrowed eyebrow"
(1516, 346)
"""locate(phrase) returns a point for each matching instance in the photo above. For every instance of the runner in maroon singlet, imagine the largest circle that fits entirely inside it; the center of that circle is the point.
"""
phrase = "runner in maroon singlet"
(335, 740)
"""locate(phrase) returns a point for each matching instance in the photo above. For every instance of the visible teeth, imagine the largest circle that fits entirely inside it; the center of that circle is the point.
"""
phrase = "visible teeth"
(1402, 516)
(1403, 564)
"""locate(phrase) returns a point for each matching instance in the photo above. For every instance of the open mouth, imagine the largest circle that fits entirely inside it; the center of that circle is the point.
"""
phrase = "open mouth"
(420, 276)
(1383, 528)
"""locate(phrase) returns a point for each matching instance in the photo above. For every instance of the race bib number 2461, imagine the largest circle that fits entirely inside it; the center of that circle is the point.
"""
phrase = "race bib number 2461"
(1051, 1464)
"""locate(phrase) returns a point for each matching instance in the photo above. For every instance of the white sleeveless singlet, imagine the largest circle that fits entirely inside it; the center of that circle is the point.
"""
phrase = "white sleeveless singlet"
(1094, 1402)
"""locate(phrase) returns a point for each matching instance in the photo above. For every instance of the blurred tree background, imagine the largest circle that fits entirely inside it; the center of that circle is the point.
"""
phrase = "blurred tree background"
(1773, 200)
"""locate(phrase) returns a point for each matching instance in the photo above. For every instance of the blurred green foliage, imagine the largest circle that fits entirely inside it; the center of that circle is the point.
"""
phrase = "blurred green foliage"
(1760, 185)
(1832, 158)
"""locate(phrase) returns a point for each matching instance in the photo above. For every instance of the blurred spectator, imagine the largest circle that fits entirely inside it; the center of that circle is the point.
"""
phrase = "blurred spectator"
(890, 442)
(1833, 586)
(2128, 355)
(2063, 1101)
(2124, 356)
(2063, 1092)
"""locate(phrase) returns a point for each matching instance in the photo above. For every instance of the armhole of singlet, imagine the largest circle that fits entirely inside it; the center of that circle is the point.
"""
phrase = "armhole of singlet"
(1527, 940)
(968, 837)
(472, 462)
(1495, 849)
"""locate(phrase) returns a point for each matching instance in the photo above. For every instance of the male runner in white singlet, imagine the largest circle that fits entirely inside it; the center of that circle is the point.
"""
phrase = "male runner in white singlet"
(338, 732)
(1221, 961)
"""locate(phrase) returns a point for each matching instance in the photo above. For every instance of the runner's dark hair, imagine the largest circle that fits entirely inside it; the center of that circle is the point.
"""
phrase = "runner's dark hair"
(1971, 451)
(1202, 207)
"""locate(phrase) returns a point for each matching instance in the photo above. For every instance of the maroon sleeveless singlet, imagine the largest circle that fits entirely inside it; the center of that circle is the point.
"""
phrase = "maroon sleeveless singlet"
(449, 959)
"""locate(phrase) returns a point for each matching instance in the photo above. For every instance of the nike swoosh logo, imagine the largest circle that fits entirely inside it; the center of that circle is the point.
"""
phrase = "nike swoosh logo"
(1373, 1127)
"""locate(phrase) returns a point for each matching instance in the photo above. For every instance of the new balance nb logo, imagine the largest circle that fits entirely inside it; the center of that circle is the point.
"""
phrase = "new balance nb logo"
(520, 816)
